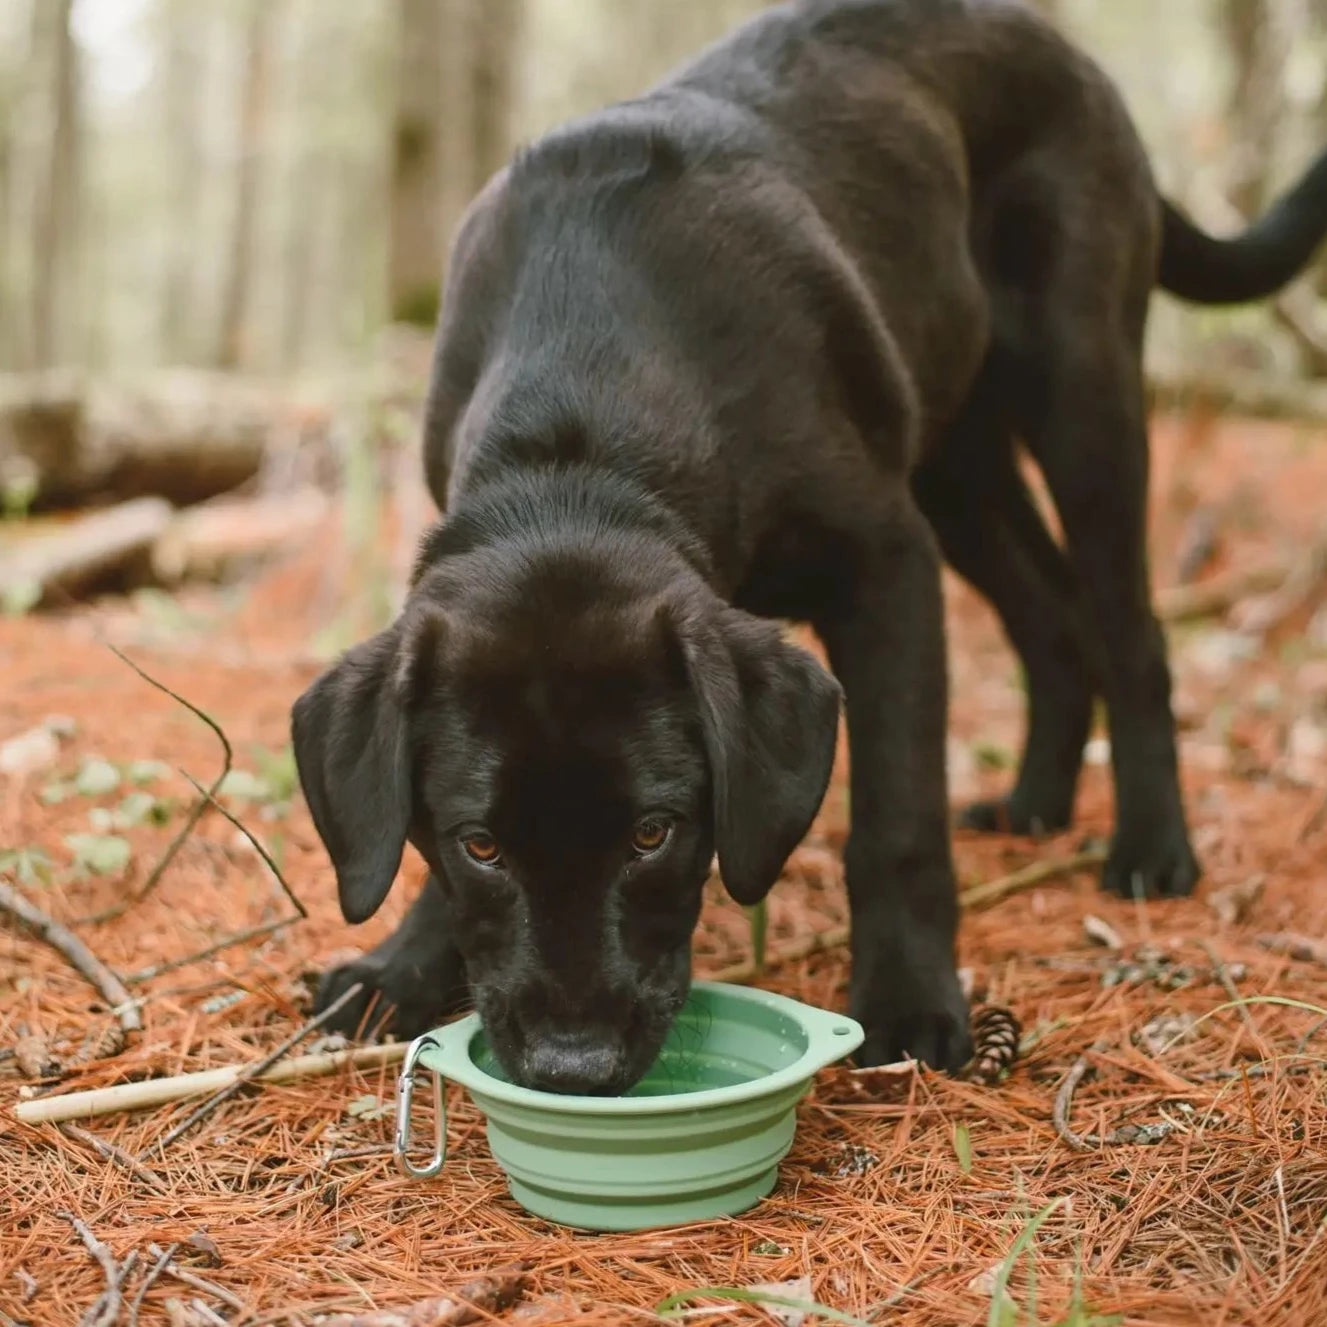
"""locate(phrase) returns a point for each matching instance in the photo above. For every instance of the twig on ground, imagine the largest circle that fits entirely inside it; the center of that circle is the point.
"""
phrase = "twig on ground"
(196, 814)
(227, 942)
(1064, 1103)
(1258, 616)
(114, 1153)
(106, 1309)
(253, 841)
(153, 1275)
(1222, 974)
(356, 1153)
(1256, 1071)
(990, 892)
(1301, 947)
(259, 1067)
(1029, 877)
(157, 1091)
(1314, 821)
(814, 943)
(1182, 603)
(169, 1267)
(77, 954)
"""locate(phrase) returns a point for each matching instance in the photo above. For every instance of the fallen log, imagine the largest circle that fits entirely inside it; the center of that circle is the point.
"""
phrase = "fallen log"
(1238, 392)
(182, 436)
(220, 539)
(105, 550)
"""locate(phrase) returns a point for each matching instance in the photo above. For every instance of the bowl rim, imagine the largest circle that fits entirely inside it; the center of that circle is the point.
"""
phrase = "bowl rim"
(830, 1037)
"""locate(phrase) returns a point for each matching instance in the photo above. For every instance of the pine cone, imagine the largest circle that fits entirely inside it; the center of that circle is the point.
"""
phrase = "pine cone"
(995, 1037)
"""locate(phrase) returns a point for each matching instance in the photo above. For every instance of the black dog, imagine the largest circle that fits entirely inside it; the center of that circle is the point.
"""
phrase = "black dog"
(750, 347)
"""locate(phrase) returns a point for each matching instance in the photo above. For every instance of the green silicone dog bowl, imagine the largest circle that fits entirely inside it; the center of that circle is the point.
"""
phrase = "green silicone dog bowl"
(701, 1136)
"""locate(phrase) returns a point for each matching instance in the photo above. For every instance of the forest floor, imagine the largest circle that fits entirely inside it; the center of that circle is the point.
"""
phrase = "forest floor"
(892, 1210)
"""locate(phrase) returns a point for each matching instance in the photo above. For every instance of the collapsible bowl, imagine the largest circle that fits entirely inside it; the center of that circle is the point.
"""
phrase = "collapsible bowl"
(701, 1136)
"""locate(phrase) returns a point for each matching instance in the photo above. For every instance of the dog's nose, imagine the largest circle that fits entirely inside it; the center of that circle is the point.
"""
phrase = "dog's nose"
(575, 1065)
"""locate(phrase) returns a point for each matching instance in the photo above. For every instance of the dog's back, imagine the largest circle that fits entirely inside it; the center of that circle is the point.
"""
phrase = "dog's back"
(909, 157)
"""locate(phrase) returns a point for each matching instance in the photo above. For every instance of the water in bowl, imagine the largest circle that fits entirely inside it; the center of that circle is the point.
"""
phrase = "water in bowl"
(717, 1041)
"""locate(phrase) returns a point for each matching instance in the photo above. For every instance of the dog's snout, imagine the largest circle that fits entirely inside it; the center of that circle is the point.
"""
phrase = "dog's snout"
(575, 1065)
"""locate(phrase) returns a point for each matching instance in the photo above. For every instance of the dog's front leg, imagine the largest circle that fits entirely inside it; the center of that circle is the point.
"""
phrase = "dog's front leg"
(416, 973)
(887, 647)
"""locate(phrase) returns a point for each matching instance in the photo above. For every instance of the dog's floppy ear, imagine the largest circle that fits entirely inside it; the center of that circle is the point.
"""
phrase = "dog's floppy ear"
(352, 750)
(770, 717)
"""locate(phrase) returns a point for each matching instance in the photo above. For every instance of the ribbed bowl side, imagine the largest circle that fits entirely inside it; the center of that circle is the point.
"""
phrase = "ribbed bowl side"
(635, 1171)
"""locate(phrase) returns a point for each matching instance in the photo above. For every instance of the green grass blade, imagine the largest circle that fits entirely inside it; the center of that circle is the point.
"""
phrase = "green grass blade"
(669, 1308)
(963, 1148)
(995, 1315)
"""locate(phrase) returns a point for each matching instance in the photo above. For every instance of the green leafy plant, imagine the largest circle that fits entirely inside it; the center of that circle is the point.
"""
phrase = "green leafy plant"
(29, 866)
(96, 777)
(99, 854)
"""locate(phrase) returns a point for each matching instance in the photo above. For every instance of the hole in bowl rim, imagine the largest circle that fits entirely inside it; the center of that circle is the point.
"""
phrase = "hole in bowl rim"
(830, 1037)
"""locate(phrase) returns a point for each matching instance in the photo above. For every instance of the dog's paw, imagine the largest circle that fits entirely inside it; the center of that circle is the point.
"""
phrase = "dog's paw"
(931, 1026)
(1154, 861)
(1010, 815)
(392, 999)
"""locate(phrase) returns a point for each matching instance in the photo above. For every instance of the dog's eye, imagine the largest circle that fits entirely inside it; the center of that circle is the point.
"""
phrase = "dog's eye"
(650, 835)
(482, 848)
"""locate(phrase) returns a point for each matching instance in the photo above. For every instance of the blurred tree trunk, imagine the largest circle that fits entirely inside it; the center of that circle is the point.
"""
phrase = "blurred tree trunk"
(306, 220)
(415, 253)
(1259, 35)
(9, 322)
(56, 211)
(452, 131)
(252, 137)
(181, 77)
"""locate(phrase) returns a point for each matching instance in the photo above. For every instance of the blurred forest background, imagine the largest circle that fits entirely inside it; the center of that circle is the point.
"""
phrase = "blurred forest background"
(264, 185)
(224, 225)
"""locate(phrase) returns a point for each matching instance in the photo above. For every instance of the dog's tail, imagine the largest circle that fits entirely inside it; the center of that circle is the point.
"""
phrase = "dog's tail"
(1205, 270)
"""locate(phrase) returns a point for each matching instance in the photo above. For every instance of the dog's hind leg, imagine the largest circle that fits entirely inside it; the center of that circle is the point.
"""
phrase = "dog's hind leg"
(992, 535)
(1086, 425)
(416, 974)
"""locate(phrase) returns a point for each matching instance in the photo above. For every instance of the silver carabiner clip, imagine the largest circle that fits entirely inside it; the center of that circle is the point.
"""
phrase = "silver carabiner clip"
(405, 1093)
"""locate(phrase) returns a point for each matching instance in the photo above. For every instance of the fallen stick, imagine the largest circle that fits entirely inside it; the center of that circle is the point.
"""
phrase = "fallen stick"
(747, 970)
(227, 942)
(1064, 1103)
(169, 1267)
(268, 860)
(1262, 614)
(153, 1275)
(114, 1153)
(1029, 877)
(1184, 603)
(477, 1301)
(1301, 947)
(1313, 822)
(196, 814)
(1227, 982)
(77, 954)
(157, 1091)
(91, 552)
(990, 892)
(249, 1072)
(106, 1308)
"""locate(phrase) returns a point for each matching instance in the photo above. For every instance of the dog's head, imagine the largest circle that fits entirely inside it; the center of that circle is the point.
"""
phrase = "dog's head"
(568, 736)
